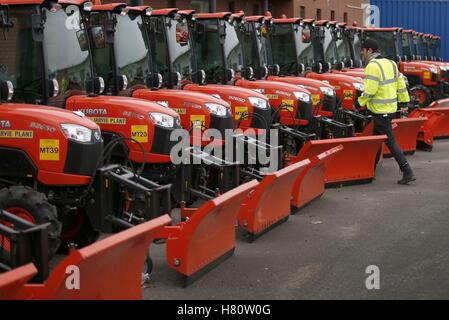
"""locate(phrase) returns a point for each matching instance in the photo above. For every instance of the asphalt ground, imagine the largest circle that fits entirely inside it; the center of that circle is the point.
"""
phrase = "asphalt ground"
(323, 252)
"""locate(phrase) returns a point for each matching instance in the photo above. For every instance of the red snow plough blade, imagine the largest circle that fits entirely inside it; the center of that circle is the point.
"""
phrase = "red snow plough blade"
(310, 184)
(13, 281)
(207, 237)
(427, 131)
(109, 269)
(355, 164)
(269, 204)
(441, 106)
(406, 133)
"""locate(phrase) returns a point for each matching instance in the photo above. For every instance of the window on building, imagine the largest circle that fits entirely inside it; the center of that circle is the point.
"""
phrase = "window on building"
(345, 17)
(200, 5)
(302, 12)
(232, 6)
(332, 15)
(256, 9)
(318, 14)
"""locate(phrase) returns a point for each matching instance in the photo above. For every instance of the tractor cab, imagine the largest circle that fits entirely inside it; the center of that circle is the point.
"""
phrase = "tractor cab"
(425, 79)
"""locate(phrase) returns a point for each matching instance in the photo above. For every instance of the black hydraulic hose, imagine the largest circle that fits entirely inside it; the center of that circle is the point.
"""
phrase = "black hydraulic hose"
(252, 114)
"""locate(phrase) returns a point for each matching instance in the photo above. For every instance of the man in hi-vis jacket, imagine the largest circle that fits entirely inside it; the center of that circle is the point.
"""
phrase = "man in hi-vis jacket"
(384, 88)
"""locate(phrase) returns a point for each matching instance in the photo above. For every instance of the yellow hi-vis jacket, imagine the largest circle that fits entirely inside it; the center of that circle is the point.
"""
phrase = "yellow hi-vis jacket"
(384, 87)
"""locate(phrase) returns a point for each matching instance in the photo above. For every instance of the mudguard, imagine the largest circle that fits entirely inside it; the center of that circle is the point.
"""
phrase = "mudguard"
(207, 237)
(427, 131)
(13, 281)
(101, 265)
(310, 184)
(269, 204)
(355, 164)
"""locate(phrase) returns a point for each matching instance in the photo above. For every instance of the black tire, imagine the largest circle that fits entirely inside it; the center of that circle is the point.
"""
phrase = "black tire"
(37, 205)
(81, 233)
(426, 94)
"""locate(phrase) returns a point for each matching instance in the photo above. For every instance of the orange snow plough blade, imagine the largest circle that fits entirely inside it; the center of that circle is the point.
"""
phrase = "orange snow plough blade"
(13, 281)
(441, 106)
(269, 204)
(110, 269)
(406, 134)
(427, 131)
(355, 164)
(311, 183)
(207, 237)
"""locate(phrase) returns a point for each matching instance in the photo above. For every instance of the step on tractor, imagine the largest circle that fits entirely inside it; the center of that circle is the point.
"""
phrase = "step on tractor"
(219, 51)
(61, 61)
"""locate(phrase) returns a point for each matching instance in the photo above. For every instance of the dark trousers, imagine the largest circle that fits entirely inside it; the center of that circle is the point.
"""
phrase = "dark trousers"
(382, 125)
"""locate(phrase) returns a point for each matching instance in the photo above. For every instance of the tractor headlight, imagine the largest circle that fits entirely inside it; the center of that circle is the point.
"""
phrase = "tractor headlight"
(76, 132)
(258, 103)
(163, 120)
(217, 109)
(434, 70)
(327, 91)
(302, 96)
(443, 68)
(359, 86)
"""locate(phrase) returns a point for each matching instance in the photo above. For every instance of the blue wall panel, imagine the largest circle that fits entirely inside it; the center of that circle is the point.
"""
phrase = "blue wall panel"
(428, 16)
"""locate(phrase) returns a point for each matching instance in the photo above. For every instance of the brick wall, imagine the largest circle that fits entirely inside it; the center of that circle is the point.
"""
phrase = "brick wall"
(277, 7)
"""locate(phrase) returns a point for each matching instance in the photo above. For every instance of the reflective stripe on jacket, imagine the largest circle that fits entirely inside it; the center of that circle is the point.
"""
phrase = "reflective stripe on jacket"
(384, 87)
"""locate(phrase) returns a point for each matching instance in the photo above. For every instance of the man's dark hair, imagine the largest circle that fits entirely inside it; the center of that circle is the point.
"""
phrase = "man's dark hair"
(370, 44)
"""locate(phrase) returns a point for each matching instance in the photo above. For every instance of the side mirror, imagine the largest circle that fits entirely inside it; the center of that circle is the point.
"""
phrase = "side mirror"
(175, 78)
(154, 81)
(300, 68)
(199, 77)
(96, 85)
(274, 70)
(6, 90)
(122, 82)
(358, 64)
(98, 36)
(82, 40)
(398, 59)
(53, 88)
(229, 75)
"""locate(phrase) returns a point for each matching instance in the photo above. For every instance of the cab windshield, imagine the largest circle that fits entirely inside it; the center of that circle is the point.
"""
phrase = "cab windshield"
(67, 52)
(21, 60)
(329, 46)
(407, 50)
(357, 47)
(256, 47)
(343, 45)
(282, 38)
(180, 53)
(387, 41)
(131, 49)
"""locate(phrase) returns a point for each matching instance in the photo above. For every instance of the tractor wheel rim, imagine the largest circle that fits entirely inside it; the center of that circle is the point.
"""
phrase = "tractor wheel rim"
(420, 96)
(21, 213)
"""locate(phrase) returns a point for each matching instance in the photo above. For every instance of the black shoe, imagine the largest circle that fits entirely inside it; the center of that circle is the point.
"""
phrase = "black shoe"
(408, 175)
